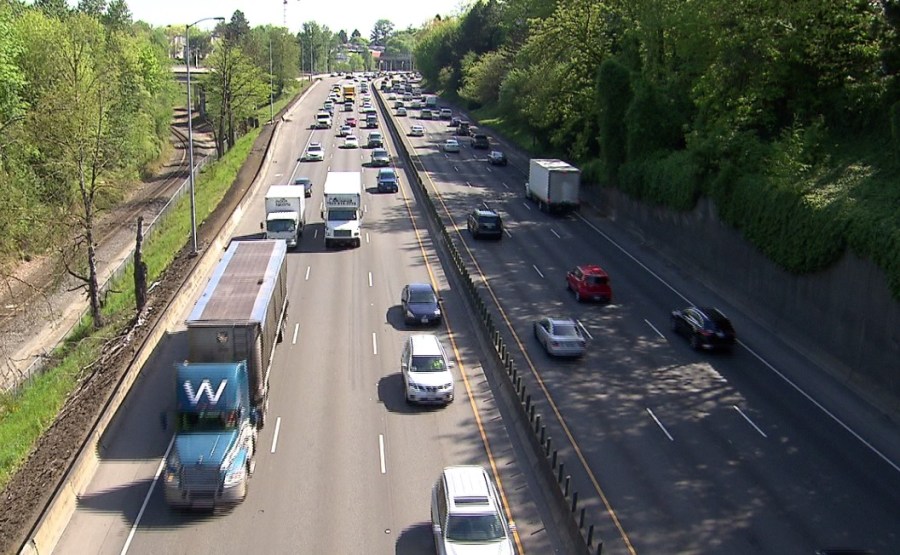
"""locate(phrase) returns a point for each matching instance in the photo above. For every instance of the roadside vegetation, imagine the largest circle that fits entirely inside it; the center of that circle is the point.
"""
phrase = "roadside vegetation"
(786, 114)
(46, 180)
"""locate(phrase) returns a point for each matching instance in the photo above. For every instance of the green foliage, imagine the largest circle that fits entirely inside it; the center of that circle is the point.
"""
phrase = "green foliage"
(614, 94)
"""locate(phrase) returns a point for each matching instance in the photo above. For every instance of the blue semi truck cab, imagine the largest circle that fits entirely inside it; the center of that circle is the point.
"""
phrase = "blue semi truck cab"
(215, 440)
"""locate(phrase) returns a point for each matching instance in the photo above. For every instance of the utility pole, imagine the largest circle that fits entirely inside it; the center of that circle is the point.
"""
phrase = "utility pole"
(271, 85)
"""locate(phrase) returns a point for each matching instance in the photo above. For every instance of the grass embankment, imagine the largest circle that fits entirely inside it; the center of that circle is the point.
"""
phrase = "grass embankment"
(25, 414)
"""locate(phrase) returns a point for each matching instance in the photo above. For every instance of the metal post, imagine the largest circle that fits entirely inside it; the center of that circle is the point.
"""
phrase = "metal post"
(190, 146)
(190, 113)
(271, 85)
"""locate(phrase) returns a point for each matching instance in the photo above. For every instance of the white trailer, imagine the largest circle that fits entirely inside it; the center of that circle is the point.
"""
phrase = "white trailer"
(285, 213)
(342, 208)
(553, 184)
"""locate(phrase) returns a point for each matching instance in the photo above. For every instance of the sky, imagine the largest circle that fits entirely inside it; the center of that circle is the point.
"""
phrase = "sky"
(335, 14)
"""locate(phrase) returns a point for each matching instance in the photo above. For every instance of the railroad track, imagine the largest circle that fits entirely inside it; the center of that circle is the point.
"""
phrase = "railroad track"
(22, 299)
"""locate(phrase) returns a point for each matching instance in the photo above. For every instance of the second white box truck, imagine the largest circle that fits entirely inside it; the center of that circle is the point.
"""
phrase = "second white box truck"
(285, 213)
(553, 184)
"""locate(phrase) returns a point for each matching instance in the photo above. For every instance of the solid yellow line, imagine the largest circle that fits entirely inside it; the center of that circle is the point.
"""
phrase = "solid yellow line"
(534, 372)
(462, 372)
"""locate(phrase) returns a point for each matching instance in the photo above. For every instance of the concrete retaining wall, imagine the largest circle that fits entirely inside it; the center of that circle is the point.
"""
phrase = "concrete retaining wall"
(847, 311)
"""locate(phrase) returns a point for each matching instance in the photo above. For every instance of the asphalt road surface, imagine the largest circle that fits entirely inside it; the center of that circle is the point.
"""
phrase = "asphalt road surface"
(344, 465)
(677, 451)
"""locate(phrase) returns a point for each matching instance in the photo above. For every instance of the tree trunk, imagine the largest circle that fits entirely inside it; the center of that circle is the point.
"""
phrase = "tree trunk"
(93, 285)
(140, 268)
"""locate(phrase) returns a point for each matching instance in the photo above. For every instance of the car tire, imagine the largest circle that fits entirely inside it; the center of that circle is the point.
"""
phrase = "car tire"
(695, 342)
(577, 296)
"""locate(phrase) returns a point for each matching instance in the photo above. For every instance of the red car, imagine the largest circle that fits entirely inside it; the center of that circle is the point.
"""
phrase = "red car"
(590, 283)
(351, 122)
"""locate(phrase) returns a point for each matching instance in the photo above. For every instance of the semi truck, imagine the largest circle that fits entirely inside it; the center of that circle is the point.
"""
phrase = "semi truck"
(285, 213)
(553, 184)
(342, 208)
(223, 386)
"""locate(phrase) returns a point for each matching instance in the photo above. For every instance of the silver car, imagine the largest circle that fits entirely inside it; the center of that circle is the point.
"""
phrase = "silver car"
(560, 336)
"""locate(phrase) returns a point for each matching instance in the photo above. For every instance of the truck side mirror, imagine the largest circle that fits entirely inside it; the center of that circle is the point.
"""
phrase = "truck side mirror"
(262, 226)
(163, 421)
(436, 529)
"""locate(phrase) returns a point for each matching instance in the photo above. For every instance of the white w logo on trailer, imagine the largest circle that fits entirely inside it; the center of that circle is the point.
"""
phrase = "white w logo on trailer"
(204, 389)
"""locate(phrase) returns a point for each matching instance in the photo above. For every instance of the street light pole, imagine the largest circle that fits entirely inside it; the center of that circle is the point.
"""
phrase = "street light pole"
(190, 113)
(271, 85)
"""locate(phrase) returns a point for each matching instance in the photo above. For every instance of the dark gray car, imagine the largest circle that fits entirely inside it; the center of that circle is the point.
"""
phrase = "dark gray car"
(420, 304)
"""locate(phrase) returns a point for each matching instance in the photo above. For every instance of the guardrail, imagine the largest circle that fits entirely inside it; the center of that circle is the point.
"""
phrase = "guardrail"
(551, 464)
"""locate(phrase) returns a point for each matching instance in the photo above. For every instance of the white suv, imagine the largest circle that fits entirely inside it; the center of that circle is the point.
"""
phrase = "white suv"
(426, 370)
(466, 514)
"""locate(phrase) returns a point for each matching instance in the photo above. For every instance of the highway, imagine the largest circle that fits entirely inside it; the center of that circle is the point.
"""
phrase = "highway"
(344, 464)
(674, 451)
(671, 450)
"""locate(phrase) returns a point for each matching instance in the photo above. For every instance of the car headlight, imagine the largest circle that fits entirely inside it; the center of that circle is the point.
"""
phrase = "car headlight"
(437, 311)
(409, 314)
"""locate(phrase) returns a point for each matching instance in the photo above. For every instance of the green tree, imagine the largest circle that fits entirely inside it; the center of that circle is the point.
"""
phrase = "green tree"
(118, 15)
(483, 76)
(237, 29)
(93, 8)
(381, 32)
(53, 8)
(235, 87)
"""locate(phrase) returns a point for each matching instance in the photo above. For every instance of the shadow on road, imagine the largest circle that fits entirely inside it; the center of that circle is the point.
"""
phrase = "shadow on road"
(415, 539)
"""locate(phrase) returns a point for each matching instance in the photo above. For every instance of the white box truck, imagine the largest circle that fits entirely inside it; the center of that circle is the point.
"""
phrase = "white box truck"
(553, 184)
(285, 213)
(342, 208)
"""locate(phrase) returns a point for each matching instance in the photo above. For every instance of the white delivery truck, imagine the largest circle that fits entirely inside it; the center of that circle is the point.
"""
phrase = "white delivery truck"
(285, 213)
(342, 208)
(553, 184)
(323, 120)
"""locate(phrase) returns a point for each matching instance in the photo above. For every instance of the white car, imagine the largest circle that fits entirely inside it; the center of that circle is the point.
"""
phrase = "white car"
(350, 141)
(314, 153)
(451, 145)
(401, 111)
(467, 514)
(417, 131)
(345, 130)
(426, 371)
(560, 336)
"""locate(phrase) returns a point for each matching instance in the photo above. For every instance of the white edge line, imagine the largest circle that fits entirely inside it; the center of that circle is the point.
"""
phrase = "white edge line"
(787, 380)
(381, 452)
(536, 270)
(654, 329)
(140, 515)
(275, 436)
(658, 423)
(747, 418)
(296, 333)
(584, 329)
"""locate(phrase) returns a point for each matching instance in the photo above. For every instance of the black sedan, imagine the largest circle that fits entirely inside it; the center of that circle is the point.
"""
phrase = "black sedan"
(420, 304)
(705, 328)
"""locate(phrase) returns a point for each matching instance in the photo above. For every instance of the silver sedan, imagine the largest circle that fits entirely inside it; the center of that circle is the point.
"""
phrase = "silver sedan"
(560, 336)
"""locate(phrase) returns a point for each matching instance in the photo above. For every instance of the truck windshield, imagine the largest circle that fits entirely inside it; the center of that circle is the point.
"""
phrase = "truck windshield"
(341, 215)
(280, 226)
(207, 421)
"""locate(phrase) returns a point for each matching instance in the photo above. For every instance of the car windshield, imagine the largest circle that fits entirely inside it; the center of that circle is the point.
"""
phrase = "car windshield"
(301, 181)
(565, 329)
(427, 364)
(207, 421)
(315, 150)
(474, 528)
(421, 296)
(341, 214)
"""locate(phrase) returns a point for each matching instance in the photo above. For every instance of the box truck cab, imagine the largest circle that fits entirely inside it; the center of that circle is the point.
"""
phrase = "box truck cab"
(285, 213)
(342, 208)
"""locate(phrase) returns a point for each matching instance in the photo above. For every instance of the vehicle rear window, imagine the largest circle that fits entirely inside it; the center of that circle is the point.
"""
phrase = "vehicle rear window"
(596, 280)
(565, 330)
(489, 220)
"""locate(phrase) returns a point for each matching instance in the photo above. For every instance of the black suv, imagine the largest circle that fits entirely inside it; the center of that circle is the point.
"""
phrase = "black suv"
(705, 328)
(480, 140)
(484, 222)
(462, 129)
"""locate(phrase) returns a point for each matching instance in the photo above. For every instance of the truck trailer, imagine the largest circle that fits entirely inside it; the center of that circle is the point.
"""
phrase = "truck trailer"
(223, 386)
(342, 208)
(285, 213)
(553, 184)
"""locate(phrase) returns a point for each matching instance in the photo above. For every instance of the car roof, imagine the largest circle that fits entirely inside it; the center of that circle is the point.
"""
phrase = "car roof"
(425, 345)
(485, 212)
(557, 321)
(592, 270)
(468, 490)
